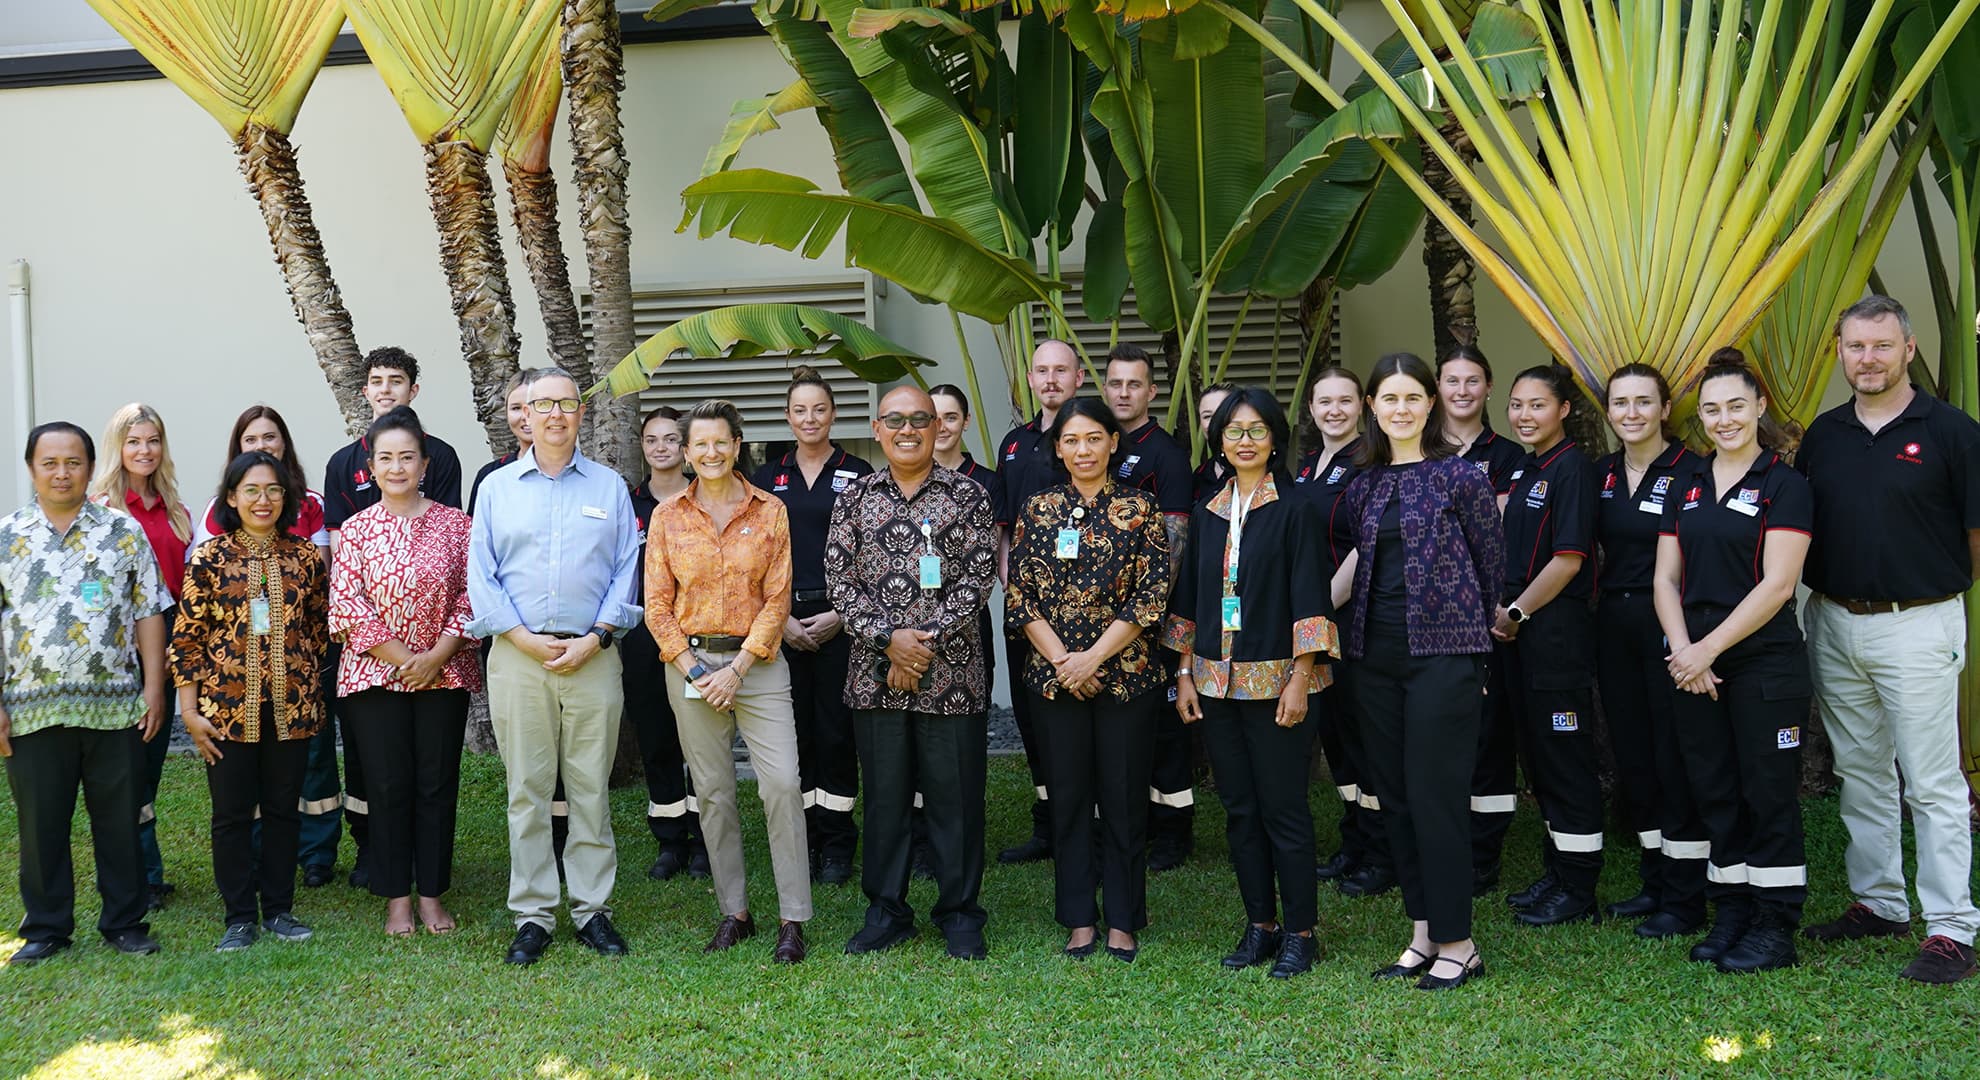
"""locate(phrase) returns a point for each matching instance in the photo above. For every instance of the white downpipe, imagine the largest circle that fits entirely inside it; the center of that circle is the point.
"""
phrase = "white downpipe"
(19, 314)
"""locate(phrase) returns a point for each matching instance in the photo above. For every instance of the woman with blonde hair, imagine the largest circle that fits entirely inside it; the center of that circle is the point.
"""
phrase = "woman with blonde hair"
(135, 475)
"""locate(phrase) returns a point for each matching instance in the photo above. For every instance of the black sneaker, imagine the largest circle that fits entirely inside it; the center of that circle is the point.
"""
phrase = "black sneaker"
(1857, 922)
(1563, 905)
(1257, 946)
(1368, 879)
(1733, 917)
(1529, 896)
(1941, 960)
(1768, 944)
(238, 936)
(287, 927)
(1296, 953)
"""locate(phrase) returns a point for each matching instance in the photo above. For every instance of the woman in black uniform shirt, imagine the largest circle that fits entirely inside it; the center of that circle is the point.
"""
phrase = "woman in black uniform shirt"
(1251, 620)
(670, 813)
(1629, 657)
(809, 480)
(1733, 542)
(1544, 617)
(1333, 429)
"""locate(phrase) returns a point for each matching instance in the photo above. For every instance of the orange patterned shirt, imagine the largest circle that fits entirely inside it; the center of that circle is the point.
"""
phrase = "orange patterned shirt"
(735, 583)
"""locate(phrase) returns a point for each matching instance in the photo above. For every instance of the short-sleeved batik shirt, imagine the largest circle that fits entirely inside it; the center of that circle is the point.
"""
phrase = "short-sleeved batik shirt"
(69, 608)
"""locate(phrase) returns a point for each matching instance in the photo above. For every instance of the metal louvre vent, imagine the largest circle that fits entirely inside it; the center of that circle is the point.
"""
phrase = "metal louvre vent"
(1251, 360)
(756, 384)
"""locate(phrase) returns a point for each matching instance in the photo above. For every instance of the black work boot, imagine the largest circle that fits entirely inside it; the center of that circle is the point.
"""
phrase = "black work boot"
(1767, 944)
(1729, 924)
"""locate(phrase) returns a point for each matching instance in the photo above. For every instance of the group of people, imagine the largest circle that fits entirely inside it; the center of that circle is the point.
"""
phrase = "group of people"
(1416, 593)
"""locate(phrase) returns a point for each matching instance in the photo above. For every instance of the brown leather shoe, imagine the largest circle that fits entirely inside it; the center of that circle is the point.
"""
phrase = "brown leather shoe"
(732, 931)
(790, 944)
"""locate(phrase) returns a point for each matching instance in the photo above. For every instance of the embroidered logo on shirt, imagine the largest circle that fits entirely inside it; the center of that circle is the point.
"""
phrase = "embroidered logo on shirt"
(1609, 486)
(782, 483)
(1010, 452)
(1335, 476)
(1127, 467)
(842, 477)
(1536, 496)
(1691, 498)
(1911, 454)
(1749, 495)
(1662, 485)
(1787, 738)
(1484, 467)
(1567, 721)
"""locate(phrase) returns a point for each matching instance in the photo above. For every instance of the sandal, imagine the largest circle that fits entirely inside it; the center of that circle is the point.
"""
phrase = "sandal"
(1407, 971)
(1467, 971)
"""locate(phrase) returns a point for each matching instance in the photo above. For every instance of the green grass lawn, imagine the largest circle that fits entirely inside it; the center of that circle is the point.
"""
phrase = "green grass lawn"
(1576, 1001)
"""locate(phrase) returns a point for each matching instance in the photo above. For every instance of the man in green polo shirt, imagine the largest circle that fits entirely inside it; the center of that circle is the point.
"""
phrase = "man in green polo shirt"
(81, 608)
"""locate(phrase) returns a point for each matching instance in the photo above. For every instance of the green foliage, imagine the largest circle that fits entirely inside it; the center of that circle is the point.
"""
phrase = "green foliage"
(755, 329)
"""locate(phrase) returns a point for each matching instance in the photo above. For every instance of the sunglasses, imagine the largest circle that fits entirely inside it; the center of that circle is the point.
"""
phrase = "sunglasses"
(894, 421)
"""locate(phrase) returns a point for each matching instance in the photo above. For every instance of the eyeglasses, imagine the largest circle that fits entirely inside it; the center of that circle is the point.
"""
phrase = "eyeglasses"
(549, 405)
(256, 493)
(1255, 433)
(918, 421)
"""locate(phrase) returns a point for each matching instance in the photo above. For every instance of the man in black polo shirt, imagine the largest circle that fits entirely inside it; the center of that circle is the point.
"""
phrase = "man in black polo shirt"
(391, 380)
(1025, 468)
(1896, 474)
(1150, 460)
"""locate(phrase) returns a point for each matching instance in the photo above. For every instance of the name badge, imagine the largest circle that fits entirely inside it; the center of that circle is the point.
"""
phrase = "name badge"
(931, 571)
(258, 619)
(841, 478)
(94, 596)
(1746, 508)
(689, 690)
(1651, 506)
(1233, 620)
(1068, 547)
(595, 512)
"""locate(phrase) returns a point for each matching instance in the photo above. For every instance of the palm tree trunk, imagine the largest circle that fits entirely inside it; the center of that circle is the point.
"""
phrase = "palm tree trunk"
(594, 73)
(463, 200)
(533, 198)
(1453, 312)
(268, 161)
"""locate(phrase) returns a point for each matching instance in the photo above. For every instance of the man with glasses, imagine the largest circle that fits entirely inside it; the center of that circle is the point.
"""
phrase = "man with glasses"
(391, 380)
(550, 575)
(911, 557)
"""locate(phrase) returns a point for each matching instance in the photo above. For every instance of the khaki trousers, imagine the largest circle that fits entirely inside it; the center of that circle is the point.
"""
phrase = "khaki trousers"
(763, 714)
(1888, 686)
(546, 724)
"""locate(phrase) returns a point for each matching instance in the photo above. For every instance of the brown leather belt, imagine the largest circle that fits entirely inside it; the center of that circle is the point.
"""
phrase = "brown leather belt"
(715, 643)
(1886, 607)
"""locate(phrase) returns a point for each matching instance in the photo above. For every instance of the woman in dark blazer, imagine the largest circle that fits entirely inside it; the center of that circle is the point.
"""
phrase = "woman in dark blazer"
(1251, 619)
(1428, 555)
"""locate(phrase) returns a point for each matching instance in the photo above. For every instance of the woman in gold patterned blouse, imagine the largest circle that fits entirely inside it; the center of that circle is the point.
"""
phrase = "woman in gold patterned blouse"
(247, 656)
(1089, 579)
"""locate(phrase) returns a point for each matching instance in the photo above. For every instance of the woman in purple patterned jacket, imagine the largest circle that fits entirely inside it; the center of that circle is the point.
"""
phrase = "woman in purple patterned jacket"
(1427, 562)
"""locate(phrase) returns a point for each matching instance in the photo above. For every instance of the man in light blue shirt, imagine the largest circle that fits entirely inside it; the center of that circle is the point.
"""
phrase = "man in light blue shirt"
(550, 573)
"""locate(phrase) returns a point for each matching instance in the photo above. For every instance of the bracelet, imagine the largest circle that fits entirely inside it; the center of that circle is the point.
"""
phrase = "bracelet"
(1185, 673)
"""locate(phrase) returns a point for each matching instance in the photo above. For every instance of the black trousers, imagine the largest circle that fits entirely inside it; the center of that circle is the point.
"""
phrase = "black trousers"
(1343, 741)
(1495, 776)
(670, 808)
(46, 769)
(828, 762)
(1261, 776)
(1552, 676)
(947, 755)
(1742, 754)
(1017, 651)
(151, 766)
(265, 776)
(1099, 753)
(1653, 794)
(1172, 774)
(412, 749)
(357, 802)
(1420, 720)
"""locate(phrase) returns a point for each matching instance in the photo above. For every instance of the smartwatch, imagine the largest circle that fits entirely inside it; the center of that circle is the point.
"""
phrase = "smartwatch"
(698, 672)
(604, 637)
(880, 640)
(1514, 615)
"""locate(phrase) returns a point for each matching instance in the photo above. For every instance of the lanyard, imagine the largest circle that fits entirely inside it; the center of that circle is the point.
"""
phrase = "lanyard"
(1240, 508)
(927, 536)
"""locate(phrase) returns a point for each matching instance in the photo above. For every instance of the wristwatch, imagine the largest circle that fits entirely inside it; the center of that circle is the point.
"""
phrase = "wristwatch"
(1514, 615)
(604, 637)
(880, 640)
(698, 672)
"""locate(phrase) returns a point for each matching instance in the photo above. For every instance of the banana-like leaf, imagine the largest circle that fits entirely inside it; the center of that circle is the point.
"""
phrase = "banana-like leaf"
(1106, 263)
(754, 116)
(1352, 221)
(1044, 134)
(754, 329)
(1383, 226)
(1209, 132)
(531, 121)
(862, 146)
(1163, 292)
(872, 22)
(243, 62)
(668, 10)
(1289, 102)
(929, 256)
(454, 67)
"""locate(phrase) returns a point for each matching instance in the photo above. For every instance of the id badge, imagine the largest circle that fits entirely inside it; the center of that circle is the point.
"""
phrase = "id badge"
(95, 597)
(1068, 544)
(689, 690)
(1232, 620)
(931, 571)
(258, 619)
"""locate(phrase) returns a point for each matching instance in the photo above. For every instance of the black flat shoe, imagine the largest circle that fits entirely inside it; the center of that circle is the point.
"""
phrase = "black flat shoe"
(1125, 956)
(1469, 970)
(133, 942)
(1406, 971)
(1081, 952)
(1257, 946)
(1636, 907)
(874, 939)
(34, 952)
(1668, 924)
(1296, 955)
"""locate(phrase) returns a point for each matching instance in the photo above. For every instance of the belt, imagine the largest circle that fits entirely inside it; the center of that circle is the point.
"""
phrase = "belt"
(810, 596)
(715, 642)
(1886, 607)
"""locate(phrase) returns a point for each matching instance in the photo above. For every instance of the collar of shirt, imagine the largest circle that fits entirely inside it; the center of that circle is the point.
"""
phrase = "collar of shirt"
(752, 496)
(937, 475)
(89, 515)
(1221, 503)
(577, 463)
(1919, 408)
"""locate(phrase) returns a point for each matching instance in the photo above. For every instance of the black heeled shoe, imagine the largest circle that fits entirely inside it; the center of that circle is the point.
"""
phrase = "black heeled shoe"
(1471, 969)
(1406, 971)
